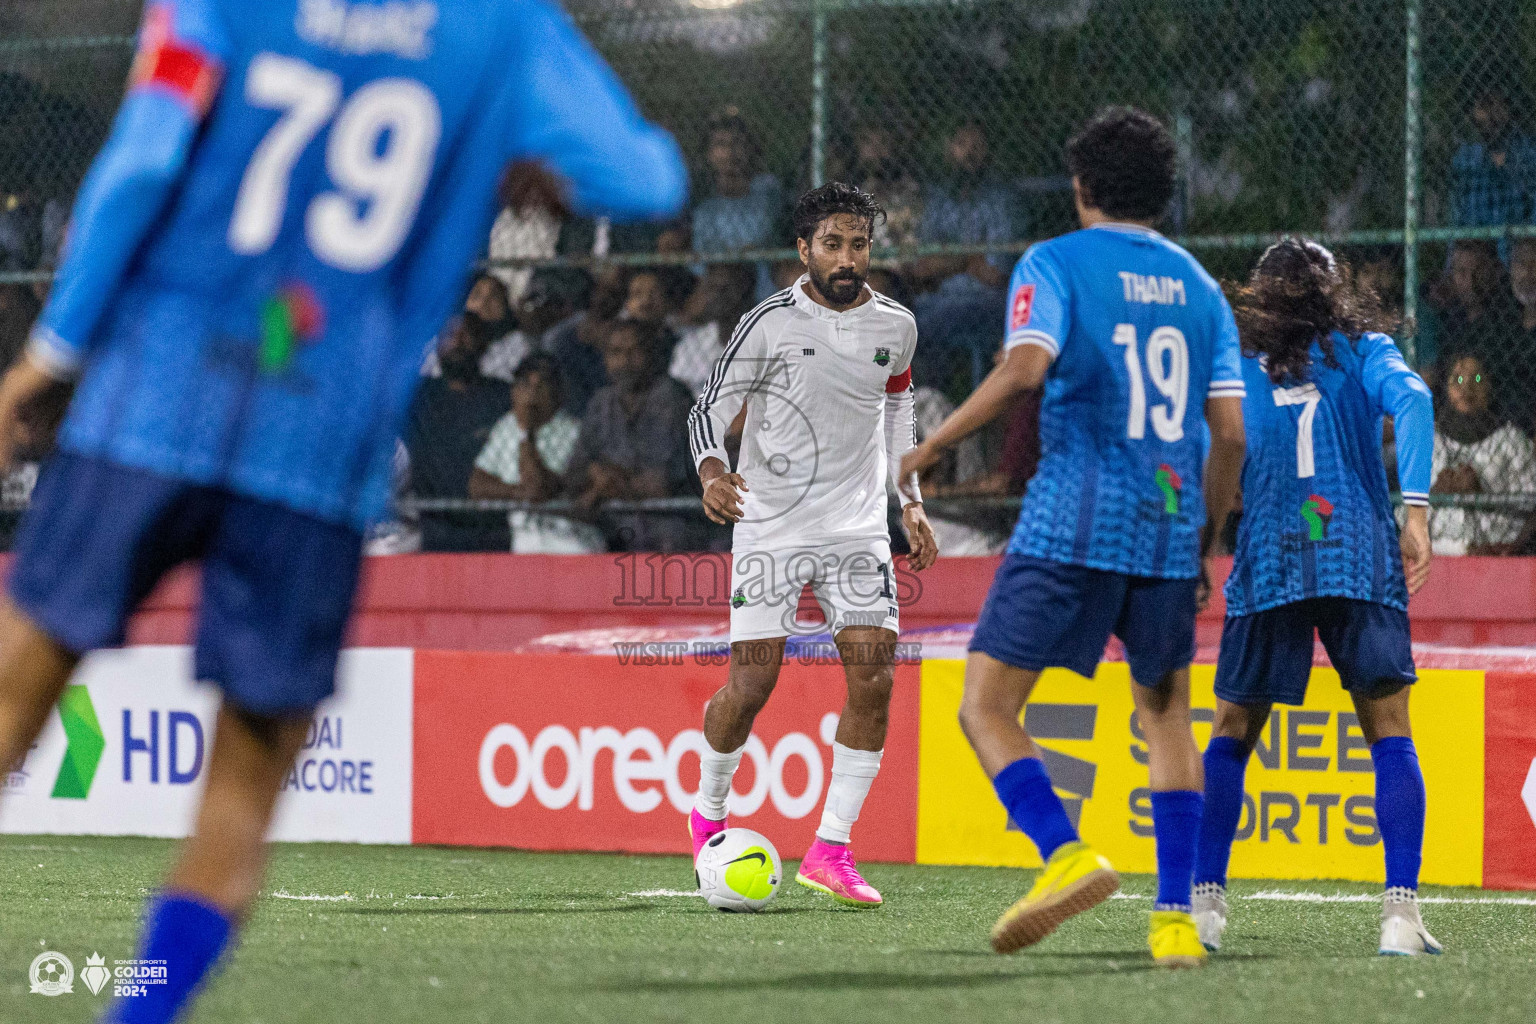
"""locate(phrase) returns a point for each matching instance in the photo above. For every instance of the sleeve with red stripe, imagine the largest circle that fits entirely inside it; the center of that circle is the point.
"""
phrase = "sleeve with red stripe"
(178, 66)
(899, 383)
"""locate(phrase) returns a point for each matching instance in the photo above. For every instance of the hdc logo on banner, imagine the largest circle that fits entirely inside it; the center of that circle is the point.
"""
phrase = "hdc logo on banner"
(560, 752)
(126, 753)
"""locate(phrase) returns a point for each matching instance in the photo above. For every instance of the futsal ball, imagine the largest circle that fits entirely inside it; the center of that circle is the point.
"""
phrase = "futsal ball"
(738, 870)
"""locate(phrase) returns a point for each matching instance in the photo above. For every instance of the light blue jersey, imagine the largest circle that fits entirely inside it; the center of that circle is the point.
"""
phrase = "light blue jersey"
(1140, 337)
(1317, 517)
(286, 212)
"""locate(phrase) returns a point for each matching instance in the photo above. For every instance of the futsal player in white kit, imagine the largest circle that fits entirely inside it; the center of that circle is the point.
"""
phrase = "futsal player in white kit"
(824, 369)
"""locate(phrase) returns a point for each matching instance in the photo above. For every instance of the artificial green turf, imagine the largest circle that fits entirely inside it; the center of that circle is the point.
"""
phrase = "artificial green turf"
(553, 938)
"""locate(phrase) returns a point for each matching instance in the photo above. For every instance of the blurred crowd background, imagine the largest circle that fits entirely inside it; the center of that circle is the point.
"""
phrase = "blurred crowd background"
(551, 416)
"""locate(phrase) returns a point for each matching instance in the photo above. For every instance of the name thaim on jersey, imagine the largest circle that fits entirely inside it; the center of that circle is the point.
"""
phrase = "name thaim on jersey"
(1161, 291)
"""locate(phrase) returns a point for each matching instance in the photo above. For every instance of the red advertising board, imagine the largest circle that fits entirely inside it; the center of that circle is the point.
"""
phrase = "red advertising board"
(563, 752)
(1509, 781)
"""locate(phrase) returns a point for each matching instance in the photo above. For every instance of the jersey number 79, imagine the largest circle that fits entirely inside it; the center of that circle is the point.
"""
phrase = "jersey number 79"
(383, 145)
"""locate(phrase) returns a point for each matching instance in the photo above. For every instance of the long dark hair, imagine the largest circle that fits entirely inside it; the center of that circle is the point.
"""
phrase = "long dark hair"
(1300, 293)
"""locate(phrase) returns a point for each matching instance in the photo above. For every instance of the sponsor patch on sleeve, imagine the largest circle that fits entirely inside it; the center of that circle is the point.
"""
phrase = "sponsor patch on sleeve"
(1023, 305)
(175, 65)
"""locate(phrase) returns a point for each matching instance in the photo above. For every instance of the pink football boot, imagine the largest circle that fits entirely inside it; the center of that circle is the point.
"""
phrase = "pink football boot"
(830, 869)
(703, 830)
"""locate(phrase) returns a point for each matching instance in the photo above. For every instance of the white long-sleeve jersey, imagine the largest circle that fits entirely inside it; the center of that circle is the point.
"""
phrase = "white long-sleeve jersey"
(829, 415)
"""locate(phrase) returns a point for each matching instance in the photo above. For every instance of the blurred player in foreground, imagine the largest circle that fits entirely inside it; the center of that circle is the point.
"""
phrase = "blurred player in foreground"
(824, 370)
(282, 219)
(1318, 549)
(1138, 352)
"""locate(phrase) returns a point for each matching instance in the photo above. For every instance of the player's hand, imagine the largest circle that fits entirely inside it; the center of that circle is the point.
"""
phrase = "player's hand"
(1416, 548)
(23, 385)
(722, 498)
(918, 461)
(925, 547)
(1203, 588)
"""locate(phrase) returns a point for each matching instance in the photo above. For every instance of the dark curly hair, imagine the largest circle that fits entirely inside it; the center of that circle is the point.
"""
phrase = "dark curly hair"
(832, 199)
(1300, 293)
(1124, 159)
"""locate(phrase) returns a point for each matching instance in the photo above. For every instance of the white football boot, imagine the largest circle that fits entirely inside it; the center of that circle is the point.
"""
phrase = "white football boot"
(1208, 905)
(1402, 929)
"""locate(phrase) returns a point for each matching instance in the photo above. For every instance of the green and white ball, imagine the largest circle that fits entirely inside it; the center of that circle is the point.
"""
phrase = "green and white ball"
(738, 870)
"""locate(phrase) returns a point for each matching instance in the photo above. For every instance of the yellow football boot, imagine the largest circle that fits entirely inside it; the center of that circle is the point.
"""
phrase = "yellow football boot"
(1175, 940)
(1075, 879)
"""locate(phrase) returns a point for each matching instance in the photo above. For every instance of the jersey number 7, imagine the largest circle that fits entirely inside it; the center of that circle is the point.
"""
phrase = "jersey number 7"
(1307, 396)
(382, 148)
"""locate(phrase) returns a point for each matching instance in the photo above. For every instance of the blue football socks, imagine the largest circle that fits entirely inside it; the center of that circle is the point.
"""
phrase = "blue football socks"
(187, 935)
(1226, 761)
(1025, 789)
(1399, 809)
(1176, 823)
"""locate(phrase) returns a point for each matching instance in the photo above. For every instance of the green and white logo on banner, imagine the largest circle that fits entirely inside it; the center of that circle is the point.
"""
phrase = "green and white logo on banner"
(86, 743)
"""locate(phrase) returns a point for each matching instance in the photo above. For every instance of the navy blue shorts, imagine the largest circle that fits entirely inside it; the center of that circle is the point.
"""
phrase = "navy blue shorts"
(1266, 657)
(277, 585)
(1042, 614)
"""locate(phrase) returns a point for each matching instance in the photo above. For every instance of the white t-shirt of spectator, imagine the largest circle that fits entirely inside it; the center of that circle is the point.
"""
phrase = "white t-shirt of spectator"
(694, 357)
(539, 533)
(530, 234)
(1505, 463)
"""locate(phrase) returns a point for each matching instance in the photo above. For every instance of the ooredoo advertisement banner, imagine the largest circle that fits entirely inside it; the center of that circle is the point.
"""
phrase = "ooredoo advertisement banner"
(1309, 808)
(561, 752)
(127, 749)
(1509, 815)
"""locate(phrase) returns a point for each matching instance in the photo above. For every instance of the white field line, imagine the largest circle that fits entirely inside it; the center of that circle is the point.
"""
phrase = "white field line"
(347, 897)
(1281, 895)
(665, 892)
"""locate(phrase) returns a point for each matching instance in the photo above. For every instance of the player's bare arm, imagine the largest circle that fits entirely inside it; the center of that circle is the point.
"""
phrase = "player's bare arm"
(1223, 473)
(21, 388)
(1417, 552)
(722, 492)
(1022, 370)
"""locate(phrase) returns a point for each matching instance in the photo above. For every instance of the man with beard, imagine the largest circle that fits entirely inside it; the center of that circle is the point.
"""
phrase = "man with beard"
(449, 422)
(823, 369)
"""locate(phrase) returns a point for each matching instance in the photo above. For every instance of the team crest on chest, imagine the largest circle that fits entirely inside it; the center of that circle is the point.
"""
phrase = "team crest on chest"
(882, 356)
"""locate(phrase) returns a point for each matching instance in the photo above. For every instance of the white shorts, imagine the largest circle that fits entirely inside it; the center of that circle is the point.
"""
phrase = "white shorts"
(853, 581)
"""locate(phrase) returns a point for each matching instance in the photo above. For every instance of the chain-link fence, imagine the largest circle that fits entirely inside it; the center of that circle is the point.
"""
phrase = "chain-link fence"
(1399, 130)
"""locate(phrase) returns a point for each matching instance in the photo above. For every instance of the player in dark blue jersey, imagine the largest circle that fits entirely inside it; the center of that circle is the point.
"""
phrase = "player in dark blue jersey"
(283, 217)
(1142, 435)
(1318, 550)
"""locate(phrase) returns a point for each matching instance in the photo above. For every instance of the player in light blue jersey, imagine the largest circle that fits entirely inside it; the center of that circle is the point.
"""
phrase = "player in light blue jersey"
(1142, 431)
(284, 215)
(1318, 551)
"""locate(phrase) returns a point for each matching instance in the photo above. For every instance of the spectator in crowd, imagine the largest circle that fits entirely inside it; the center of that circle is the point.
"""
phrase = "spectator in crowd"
(1475, 311)
(526, 457)
(723, 297)
(746, 208)
(1492, 177)
(1522, 284)
(634, 440)
(960, 315)
(1478, 451)
(449, 422)
(654, 297)
(528, 227)
(577, 341)
(878, 170)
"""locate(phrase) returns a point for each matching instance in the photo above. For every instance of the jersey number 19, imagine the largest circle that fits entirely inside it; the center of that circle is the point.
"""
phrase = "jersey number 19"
(1168, 368)
(382, 148)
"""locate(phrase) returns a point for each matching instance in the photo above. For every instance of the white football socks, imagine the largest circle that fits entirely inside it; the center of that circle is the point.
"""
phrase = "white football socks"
(715, 772)
(853, 772)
